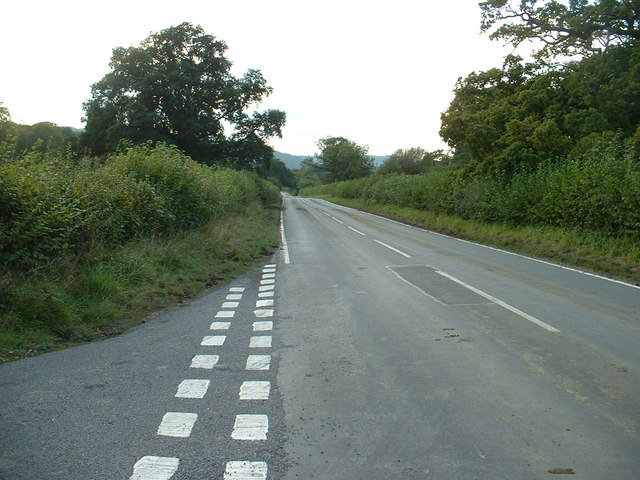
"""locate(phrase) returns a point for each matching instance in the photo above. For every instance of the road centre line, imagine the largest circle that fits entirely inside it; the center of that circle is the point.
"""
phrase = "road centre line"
(392, 248)
(357, 231)
(518, 312)
(156, 468)
(338, 220)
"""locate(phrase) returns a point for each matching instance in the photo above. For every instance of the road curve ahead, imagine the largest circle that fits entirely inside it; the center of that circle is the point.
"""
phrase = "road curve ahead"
(408, 354)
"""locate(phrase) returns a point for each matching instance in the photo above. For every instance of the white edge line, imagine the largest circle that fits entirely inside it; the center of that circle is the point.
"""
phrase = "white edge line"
(522, 314)
(392, 248)
(285, 249)
(545, 262)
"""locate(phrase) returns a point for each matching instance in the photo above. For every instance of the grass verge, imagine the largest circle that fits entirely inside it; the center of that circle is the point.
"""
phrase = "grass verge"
(615, 257)
(113, 290)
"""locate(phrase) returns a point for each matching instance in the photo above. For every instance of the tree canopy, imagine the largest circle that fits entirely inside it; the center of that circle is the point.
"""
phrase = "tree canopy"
(411, 161)
(342, 159)
(176, 87)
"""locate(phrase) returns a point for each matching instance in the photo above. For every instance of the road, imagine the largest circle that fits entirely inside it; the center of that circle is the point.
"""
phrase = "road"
(393, 352)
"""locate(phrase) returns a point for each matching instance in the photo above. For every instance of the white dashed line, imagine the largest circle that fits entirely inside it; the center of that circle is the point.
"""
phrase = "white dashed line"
(260, 342)
(268, 281)
(220, 326)
(258, 362)
(225, 314)
(255, 390)
(236, 289)
(358, 231)
(264, 303)
(265, 294)
(213, 341)
(250, 427)
(338, 220)
(204, 361)
(266, 288)
(177, 424)
(230, 304)
(270, 265)
(246, 471)
(268, 275)
(192, 388)
(262, 326)
(158, 468)
(394, 249)
(269, 270)
(263, 313)
(234, 296)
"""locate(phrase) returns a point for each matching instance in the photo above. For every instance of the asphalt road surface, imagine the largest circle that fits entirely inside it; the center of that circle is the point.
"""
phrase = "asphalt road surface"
(365, 349)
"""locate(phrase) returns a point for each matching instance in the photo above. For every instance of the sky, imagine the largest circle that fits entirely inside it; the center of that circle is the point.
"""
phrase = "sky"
(379, 73)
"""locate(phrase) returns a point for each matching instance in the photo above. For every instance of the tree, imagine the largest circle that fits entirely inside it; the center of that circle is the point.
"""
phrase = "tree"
(46, 137)
(281, 175)
(341, 159)
(581, 27)
(176, 87)
(7, 133)
(411, 161)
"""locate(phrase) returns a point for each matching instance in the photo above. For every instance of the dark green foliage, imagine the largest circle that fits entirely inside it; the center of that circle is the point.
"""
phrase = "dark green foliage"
(281, 175)
(46, 137)
(177, 88)
(342, 159)
(412, 161)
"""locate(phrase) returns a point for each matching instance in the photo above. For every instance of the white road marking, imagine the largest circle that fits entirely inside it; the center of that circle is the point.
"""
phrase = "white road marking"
(263, 313)
(213, 341)
(267, 281)
(230, 304)
(204, 361)
(225, 314)
(358, 231)
(265, 294)
(262, 326)
(266, 288)
(156, 468)
(269, 270)
(268, 275)
(234, 296)
(328, 215)
(236, 289)
(260, 342)
(394, 249)
(220, 325)
(338, 220)
(177, 424)
(264, 303)
(258, 362)
(250, 427)
(192, 388)
(284, 248)
(246, 471)
(522, 314)
(255, 390)
(270, 265)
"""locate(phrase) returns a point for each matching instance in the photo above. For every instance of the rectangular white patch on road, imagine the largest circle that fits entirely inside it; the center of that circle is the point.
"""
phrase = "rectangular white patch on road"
(269, 270)
(260, 342)
(213, 341)
(263, 313)
(220, 326)
(177, 424)
(225, 314)
(268, 281)
(192, 388)
(255, 390)
(204, 361)
(250, 427)
(258, 362)
(246, 471)
(262, 326)
(156, 468)
(230, 304)
(266, 288)
(268, 275)
(264, 303)
(234, 296)
(266, 294)
(236, 289)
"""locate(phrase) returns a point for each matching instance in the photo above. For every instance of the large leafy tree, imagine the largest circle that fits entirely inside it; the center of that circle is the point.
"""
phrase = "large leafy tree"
(342, 159)
(177, 87)
(411, 161)
(563, 28)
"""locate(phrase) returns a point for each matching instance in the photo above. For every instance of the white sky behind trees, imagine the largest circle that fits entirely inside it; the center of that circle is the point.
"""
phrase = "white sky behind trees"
(376, 72)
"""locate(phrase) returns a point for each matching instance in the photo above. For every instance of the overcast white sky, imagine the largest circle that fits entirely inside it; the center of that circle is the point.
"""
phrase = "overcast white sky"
(377, 72)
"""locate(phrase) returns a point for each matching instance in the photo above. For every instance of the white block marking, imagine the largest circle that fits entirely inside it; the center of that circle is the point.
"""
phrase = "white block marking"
(177, 424)
(156, 468)
(268, 281)
(204, 361)
(269, 270)
(230, 304)
(263, 313)
(192, 388)
(213, 341)
(266, 294)
(220, 326)
(250, 427)
(236, 289)
(268, 275)
(266, 288)
(260, 342)
(246, 471)
(262, 326)
(394, 249)
(258, 362)
(225, 314)
(234, 296)
(264, 303)
(255, 390)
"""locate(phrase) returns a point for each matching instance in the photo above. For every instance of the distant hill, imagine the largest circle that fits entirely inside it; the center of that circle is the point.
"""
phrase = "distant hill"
(293, 161)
